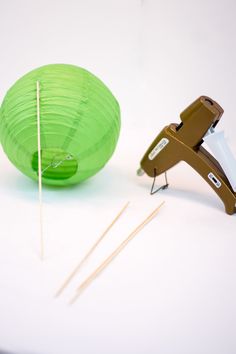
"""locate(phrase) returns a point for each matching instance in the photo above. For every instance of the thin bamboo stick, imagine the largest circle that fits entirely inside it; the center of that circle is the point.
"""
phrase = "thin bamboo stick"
(91, 250)
(115, 253)
(39, 173)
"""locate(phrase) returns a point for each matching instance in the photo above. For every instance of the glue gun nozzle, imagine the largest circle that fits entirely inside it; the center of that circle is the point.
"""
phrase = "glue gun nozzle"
(140, 172)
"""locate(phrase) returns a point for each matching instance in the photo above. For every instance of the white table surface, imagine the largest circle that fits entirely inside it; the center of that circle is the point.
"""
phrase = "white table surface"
(173, 289)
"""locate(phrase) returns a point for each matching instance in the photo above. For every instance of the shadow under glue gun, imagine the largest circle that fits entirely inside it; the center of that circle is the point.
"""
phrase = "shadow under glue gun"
(183, 142)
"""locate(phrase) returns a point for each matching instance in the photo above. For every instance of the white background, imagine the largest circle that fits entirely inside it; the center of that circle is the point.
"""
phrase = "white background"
(173, 289)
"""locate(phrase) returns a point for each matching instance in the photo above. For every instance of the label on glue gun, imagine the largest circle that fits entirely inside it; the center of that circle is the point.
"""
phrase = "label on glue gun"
(214, 180)
(157, 149)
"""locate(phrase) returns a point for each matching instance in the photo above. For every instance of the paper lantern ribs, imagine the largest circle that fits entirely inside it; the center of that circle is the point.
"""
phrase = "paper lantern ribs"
(79, 124)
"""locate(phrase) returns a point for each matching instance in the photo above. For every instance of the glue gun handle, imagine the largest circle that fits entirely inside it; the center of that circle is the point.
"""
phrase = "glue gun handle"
(222, 152)
(209, 168)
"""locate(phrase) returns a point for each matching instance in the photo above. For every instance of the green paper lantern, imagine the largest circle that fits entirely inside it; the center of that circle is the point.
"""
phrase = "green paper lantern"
(79, 123)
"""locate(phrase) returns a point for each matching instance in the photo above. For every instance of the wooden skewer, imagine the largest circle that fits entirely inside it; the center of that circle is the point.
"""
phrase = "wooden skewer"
(88, 254)
(40, 172)
(115, 253)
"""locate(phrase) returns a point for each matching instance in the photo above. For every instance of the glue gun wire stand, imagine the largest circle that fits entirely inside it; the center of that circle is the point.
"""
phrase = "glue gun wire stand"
(165, 186)
(183, 142)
